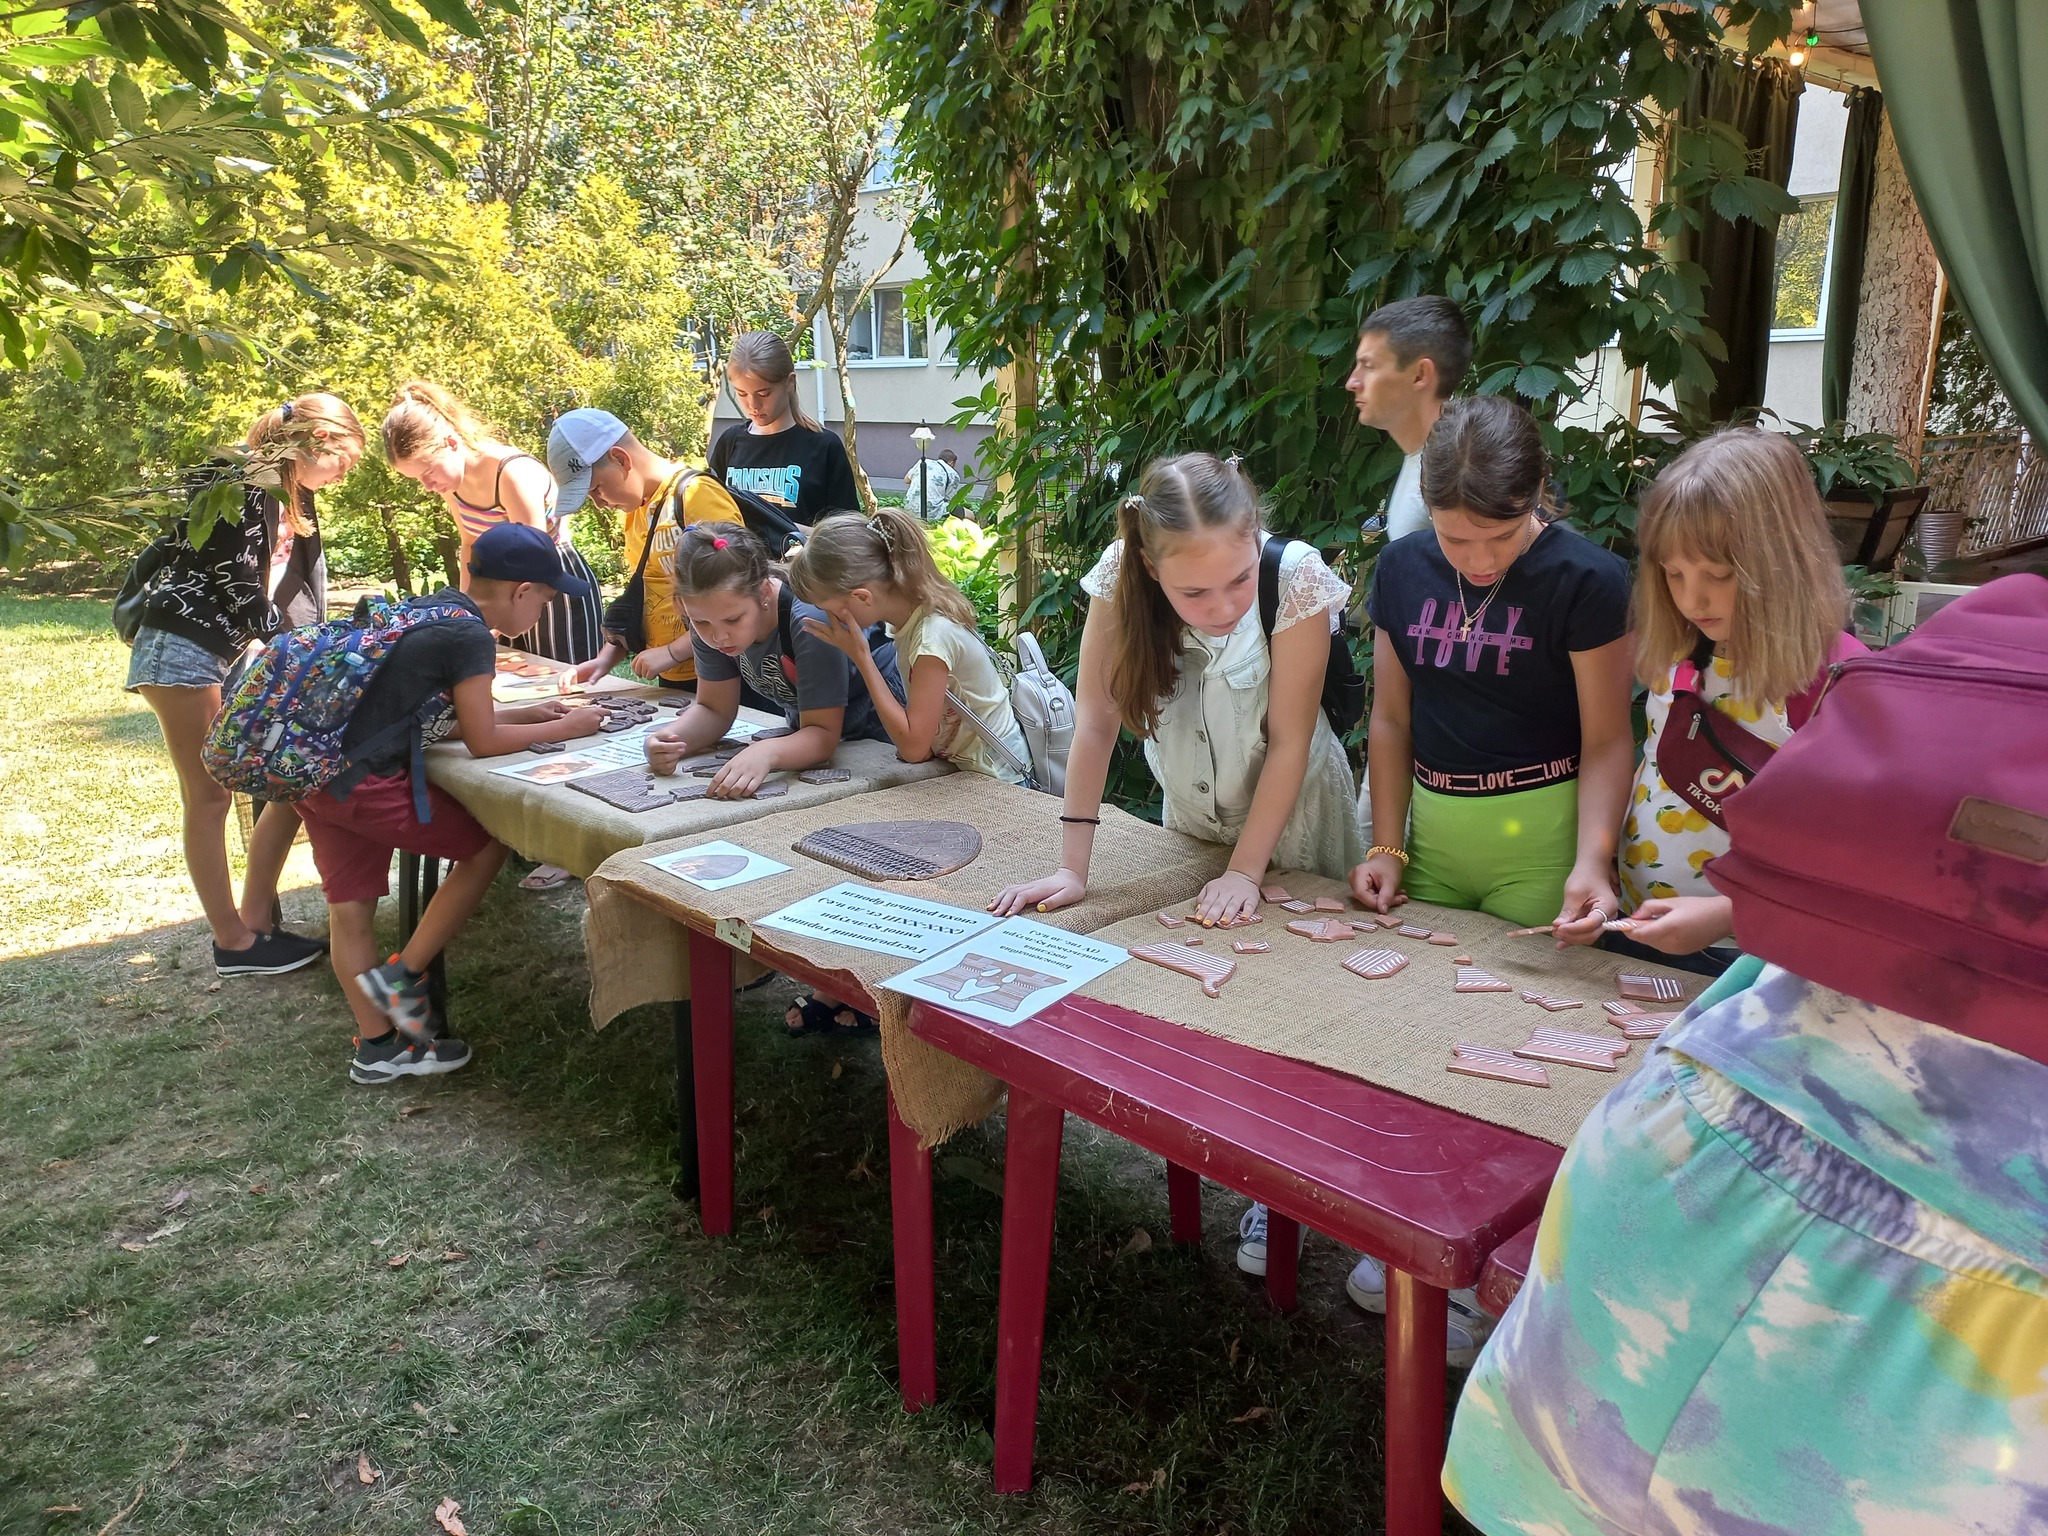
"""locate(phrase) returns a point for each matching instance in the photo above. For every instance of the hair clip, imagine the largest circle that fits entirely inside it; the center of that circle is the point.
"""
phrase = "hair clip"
(1133, 502)
(284, 412)
(1234, 461)
(717, 542)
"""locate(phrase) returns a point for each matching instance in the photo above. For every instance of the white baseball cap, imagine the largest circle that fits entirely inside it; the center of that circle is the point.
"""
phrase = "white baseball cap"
(579, 440)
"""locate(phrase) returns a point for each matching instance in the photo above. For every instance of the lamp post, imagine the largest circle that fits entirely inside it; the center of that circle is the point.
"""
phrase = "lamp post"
(923, 438)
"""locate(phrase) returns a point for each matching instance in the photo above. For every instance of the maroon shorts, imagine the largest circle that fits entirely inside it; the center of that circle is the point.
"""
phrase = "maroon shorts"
(353, 839)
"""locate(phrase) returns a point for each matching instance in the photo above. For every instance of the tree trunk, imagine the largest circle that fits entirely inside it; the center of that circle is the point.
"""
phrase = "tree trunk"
(1895, 325)
(401, 568)
(835, 323)
(450, 548)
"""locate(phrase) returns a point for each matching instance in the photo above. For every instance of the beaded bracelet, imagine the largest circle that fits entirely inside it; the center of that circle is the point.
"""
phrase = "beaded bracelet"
(1399, 853)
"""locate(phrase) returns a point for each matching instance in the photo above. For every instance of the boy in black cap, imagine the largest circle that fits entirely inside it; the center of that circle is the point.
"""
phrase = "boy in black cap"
(515, 572)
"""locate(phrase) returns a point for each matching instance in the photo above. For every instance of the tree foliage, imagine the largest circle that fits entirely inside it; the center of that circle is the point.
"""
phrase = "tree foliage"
(1179, 215)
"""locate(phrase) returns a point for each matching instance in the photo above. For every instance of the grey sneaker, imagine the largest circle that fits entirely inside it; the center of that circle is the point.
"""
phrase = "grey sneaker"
(401, 997)
(390, 1057)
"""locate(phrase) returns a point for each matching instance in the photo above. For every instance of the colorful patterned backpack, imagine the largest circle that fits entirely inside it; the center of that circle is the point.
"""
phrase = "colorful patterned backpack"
(279, 736)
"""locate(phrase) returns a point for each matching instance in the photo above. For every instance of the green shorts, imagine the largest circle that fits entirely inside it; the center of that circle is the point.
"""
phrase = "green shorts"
(1507, 855)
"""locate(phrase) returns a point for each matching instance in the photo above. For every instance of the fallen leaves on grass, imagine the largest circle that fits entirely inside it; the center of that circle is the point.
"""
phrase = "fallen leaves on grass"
(177, 1201)
(397, 1261)
(213, 986)
(454, 1256)
(365, 1473)
(414, 1109)
(449, 1514)
(63, 1509)
(766, 1214)
(1231, 1355)
(1158, 1480)
(55, 1163)
(1141, 1242)
(259, 1189)
(1253, 1415)
(860, 1172)
(838, 1070)
(151, 1339)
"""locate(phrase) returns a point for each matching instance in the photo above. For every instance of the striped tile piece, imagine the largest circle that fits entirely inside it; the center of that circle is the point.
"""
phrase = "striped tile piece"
(1644, 1026)
(1376, 964)
(1648, 989)
(1210, 970)
(1322, 930)
(1328, 904)
(1485, 1061)
(1411, 931)
(1551, 1004)
(1170, 920)
(1250, 946)
(1471, 978)
(1622, 1010)
(1295, 906)
(1461, 959)
(1597, 1053)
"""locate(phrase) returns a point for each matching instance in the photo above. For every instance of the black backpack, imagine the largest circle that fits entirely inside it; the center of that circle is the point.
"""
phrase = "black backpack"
(1343, 688)
(626, 614)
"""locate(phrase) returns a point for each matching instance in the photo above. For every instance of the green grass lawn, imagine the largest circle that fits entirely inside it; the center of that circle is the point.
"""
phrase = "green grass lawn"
(202, 1297)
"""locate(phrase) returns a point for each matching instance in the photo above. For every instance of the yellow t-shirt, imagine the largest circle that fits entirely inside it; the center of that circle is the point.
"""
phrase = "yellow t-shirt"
(704, 501)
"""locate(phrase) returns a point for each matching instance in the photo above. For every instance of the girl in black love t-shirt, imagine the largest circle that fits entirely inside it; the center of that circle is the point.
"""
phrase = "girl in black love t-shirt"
(778, 452)
(1500, 751)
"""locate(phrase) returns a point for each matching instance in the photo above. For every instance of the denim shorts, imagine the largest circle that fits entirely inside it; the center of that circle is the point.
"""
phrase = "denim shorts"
(161, 659)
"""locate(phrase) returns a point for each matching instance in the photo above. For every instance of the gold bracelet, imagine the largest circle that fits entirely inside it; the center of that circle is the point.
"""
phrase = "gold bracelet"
(1399, 853)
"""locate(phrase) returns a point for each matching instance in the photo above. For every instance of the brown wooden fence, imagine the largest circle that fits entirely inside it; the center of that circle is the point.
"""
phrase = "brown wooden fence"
(1998, 480)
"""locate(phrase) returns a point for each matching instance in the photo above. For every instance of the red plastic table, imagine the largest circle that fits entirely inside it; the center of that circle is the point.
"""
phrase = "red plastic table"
(1428, 1191)
(1506, 1268)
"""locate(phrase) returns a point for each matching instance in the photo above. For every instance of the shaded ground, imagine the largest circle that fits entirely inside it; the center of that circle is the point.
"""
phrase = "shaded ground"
(201, 1293)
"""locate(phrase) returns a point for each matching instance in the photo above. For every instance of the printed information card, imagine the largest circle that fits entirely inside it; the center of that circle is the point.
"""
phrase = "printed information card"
(714, 866)
(1009, 972)
(865, 918)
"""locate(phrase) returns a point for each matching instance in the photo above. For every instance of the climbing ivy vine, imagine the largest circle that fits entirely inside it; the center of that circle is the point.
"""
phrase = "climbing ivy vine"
(1179, 212)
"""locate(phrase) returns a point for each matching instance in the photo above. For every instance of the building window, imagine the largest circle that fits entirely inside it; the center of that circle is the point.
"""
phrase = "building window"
(1804, 239)
(882, 330)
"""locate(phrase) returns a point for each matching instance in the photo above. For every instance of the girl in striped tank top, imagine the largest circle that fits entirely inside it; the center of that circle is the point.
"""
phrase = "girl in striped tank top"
(433, 438)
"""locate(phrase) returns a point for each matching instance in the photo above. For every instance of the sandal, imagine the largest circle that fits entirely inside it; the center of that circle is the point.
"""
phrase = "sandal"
(815, 1016)
(546, 877)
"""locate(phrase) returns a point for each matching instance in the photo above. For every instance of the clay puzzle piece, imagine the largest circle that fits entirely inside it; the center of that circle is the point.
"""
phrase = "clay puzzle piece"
(1528, 933)
(630, 789)
(1193, 938)
(1389, 922)
(1210, 970)
(615, 723)
(824, 776)
(1328, 904)
(1376, 964)
(691, 792)
(1461, 959)
(1250, 946)
(1322, 930)
(545, 747)
(1622, 1010)
(1447, 940)
(1502, 1066)
(774, 789)
(1293, 905)
(1648, 989)
(1411, 931)
(707, 770)
(1472, 979)
(1596, 1053)
(1645, 1026)
(1551, 1004)
(894, 850)
(1274, 893)
(1171, 920)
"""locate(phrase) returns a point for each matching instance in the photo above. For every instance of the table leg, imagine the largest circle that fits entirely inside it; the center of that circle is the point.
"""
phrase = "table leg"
(687, 1184)
(1184, 1203)
(437, 968)
(408, 895)
(910, 1221)
(1415, 1405)
(1283, 1258)
(1031, 1176)
(711, 1031)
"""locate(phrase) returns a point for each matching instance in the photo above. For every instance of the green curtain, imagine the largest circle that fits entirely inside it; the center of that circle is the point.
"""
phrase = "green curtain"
(1973, 134)
(1851, 241)
(1760, 102)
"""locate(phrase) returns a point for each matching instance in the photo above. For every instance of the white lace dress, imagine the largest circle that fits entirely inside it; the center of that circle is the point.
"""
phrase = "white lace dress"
(1211, 740)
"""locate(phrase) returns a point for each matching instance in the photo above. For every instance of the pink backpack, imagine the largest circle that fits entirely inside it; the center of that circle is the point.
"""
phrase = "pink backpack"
(1896, 849)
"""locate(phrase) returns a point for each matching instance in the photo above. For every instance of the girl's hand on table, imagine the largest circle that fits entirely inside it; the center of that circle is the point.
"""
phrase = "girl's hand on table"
(841, 633)
(1682, 925)
(1589, 904)
(653, 661)
(582, 721)
(744, 774)
(664, 751)
(591, 670)
(1377, 882)
(1229, 896)
(1061, 888)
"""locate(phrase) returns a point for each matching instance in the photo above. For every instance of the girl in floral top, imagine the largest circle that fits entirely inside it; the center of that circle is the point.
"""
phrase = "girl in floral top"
(1739, 576)
(1175, 651)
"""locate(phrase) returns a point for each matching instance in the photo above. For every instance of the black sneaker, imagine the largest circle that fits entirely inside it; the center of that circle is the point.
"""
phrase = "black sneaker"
(391, 1057)
(272, 954)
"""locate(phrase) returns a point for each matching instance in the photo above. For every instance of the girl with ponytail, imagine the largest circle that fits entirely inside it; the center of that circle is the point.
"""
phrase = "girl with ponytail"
(432, 437)
(1175, 651)
(778, 453)
(865, 571)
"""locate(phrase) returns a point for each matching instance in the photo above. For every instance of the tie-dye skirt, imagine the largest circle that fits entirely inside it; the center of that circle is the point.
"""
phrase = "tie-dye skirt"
(1735, 1327)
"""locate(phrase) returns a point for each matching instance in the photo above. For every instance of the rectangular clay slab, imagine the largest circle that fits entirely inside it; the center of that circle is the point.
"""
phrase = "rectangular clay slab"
(1376, 964)
(1250, 946)
(1648, 989)
(1485, 1061)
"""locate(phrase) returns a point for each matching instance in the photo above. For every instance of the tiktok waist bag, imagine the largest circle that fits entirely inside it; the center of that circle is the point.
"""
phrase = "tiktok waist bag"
(1897, 850)
(1704, 754)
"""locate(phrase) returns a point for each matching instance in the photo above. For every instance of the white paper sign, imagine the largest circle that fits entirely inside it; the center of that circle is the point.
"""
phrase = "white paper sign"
(600, 753)
(865, 918)
(1009, 972)
(553, 769)
(714, 866)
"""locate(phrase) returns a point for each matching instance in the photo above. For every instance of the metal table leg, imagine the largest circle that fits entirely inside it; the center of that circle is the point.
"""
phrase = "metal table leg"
(688, 1185)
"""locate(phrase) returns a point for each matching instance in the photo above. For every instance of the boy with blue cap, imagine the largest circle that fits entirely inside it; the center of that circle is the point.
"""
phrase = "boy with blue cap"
(438, 673)
(594, 456)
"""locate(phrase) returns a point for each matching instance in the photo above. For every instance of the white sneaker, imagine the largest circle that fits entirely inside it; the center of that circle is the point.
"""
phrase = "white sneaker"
(1251, 1240)
(1466, 1327)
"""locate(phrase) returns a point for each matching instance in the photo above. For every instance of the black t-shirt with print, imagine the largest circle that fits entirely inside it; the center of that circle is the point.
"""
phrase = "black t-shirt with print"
(824, 676)
(802, 469)
(1498, 711)
(426, 661)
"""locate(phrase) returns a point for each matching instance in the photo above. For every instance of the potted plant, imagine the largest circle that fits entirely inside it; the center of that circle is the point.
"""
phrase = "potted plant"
(1868, 486)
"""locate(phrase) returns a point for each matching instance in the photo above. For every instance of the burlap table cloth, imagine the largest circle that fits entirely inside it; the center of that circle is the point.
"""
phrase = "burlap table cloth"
(1299, 1001)
(564, 826)
(637, 955)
